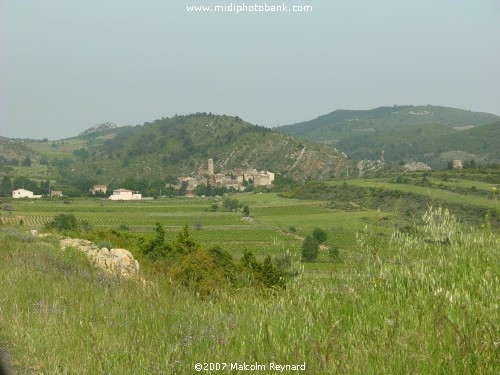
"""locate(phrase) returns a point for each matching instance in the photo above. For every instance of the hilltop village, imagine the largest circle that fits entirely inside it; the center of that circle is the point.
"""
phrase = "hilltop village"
(236, 180)
(231, 179)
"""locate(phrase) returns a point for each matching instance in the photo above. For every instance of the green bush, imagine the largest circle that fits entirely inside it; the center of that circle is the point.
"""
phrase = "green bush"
(265, 274)
(319, 235)
(157, 248)
(310, 249)
(63, 223)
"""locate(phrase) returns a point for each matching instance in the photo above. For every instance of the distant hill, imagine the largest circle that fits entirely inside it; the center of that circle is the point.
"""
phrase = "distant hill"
(99, 128)
(402, 132)
(14, 151)
(169, 147)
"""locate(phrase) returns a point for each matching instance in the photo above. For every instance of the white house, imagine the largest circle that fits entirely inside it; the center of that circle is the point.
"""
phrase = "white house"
(22, 193)
(124, 195)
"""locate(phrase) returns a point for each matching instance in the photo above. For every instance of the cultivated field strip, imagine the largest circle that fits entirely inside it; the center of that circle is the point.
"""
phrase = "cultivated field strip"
(134, 220)
(430, 192)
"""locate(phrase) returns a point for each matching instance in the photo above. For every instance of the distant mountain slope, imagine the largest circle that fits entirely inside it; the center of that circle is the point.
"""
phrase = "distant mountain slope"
(430, 143)
(11, 150)
(99, 128)
(402, 132)
(344, 123)
(400, 143)
(481, 142)
(169, 147)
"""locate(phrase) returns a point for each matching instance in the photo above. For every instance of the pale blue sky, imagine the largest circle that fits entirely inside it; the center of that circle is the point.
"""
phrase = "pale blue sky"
(67, 65)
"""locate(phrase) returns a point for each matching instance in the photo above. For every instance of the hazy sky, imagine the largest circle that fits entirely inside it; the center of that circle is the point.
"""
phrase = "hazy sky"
(68, 65)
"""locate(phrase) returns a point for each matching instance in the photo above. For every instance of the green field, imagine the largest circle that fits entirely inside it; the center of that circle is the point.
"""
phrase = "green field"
(401, 304)
(389, 302)
(429, 192)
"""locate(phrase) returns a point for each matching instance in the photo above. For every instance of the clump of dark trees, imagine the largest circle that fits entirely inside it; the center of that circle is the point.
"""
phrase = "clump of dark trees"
(209, 269)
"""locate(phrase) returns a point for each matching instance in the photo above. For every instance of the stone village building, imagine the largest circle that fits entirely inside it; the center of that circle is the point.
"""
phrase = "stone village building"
(229, 178)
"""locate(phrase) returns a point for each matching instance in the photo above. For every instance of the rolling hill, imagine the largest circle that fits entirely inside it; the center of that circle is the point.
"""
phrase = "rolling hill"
(15, 152)
(166, 148)
(424, 133)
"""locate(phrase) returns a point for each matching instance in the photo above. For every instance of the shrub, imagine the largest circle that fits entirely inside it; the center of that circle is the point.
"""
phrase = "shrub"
(310, 249)
(63, 223)
(319, 235)
(157, 248)
(231, 204)
(265, 274)
(199, 271)
(105, 244)
(7, 207)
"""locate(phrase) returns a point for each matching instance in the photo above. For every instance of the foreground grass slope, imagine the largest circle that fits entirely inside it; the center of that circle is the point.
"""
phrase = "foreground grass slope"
(426, 304)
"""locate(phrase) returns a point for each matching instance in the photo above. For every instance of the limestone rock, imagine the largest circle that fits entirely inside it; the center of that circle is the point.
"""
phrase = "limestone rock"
(416, 166)
(119, 262)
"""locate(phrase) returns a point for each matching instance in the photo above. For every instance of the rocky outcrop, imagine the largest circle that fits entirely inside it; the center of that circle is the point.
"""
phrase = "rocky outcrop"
(416, 166)
(370, 166)
(99, 128)
(119, 262)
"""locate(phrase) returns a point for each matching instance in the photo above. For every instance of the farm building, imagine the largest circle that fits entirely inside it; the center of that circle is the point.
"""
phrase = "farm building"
(22, 193)
(457, 164)
(56, 193)
(99, 189)
(124, 195)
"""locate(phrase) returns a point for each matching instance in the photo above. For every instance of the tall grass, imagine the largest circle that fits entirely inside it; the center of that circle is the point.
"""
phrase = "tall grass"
(425, 304)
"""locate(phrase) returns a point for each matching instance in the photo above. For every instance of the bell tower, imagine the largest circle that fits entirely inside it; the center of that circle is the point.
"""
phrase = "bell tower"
(210, 167)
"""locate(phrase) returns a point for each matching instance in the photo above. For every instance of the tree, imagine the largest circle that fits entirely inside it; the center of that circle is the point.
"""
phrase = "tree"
(319, 235)
(27, 161)
(157, 248)
(44, 187)
(6, 186)
(310, 249)
(24, 183)
(183, 242)
(246, 211)
(231, 204)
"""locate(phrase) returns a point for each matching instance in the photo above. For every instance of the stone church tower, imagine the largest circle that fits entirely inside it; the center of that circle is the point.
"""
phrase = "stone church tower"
(210, 167)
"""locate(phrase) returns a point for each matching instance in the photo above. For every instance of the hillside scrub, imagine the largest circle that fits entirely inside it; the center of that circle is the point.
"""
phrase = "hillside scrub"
(350, 197)
(202, 270)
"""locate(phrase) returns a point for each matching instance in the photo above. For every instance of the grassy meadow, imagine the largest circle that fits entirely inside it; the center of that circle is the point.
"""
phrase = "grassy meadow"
(392, 301)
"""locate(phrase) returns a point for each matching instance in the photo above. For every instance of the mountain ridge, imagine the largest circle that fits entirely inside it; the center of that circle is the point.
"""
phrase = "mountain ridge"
(158, 152)
(364, 134)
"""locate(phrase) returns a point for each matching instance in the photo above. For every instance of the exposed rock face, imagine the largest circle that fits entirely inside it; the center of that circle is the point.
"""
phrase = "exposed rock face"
(370, 166)
(416, 166)
(99, 128)
(118, 262)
